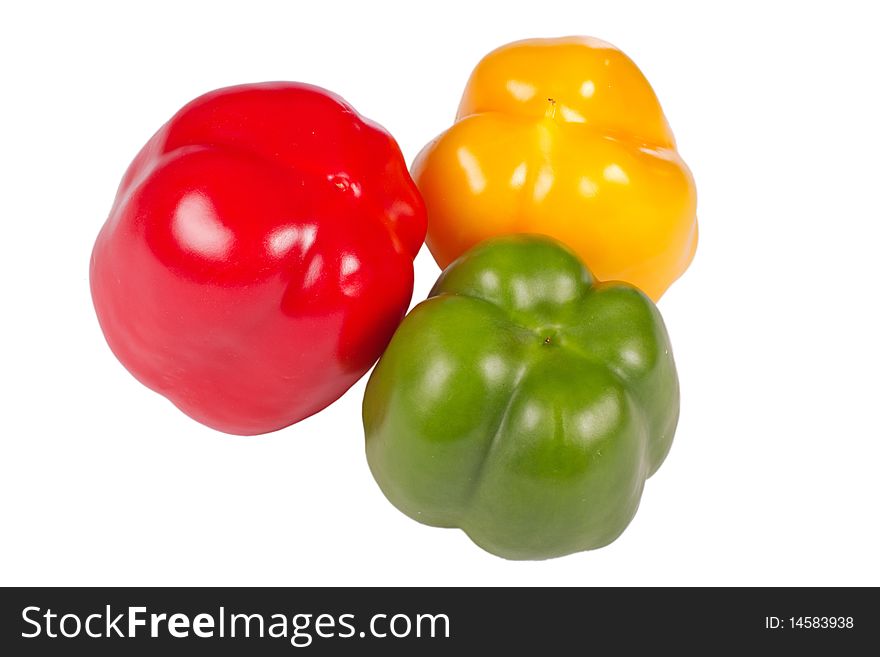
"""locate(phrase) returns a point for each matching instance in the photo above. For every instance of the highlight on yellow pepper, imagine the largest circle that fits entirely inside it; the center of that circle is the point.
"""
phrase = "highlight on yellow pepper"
(563, 137)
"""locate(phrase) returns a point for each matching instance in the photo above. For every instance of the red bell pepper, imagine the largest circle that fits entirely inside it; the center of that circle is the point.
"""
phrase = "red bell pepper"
(258, 256)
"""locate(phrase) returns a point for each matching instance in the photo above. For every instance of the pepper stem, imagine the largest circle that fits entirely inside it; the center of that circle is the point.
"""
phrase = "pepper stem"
(550, 112)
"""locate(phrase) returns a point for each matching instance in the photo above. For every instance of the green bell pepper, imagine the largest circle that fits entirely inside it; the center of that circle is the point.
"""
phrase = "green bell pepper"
(523, 402)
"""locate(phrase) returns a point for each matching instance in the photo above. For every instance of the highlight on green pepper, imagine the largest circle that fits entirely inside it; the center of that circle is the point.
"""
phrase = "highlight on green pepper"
(523, 402)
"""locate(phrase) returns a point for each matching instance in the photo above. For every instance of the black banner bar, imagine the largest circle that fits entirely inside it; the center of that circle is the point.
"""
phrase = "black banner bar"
(435, 621)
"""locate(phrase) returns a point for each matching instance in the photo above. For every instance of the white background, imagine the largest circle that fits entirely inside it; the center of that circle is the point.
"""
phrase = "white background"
(773, 475)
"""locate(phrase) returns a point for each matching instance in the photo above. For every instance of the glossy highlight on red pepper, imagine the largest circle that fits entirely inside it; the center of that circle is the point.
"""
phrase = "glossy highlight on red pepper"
(258, 256)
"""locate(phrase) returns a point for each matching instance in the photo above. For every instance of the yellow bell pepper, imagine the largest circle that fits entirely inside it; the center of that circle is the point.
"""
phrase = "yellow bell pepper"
(563, 137)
